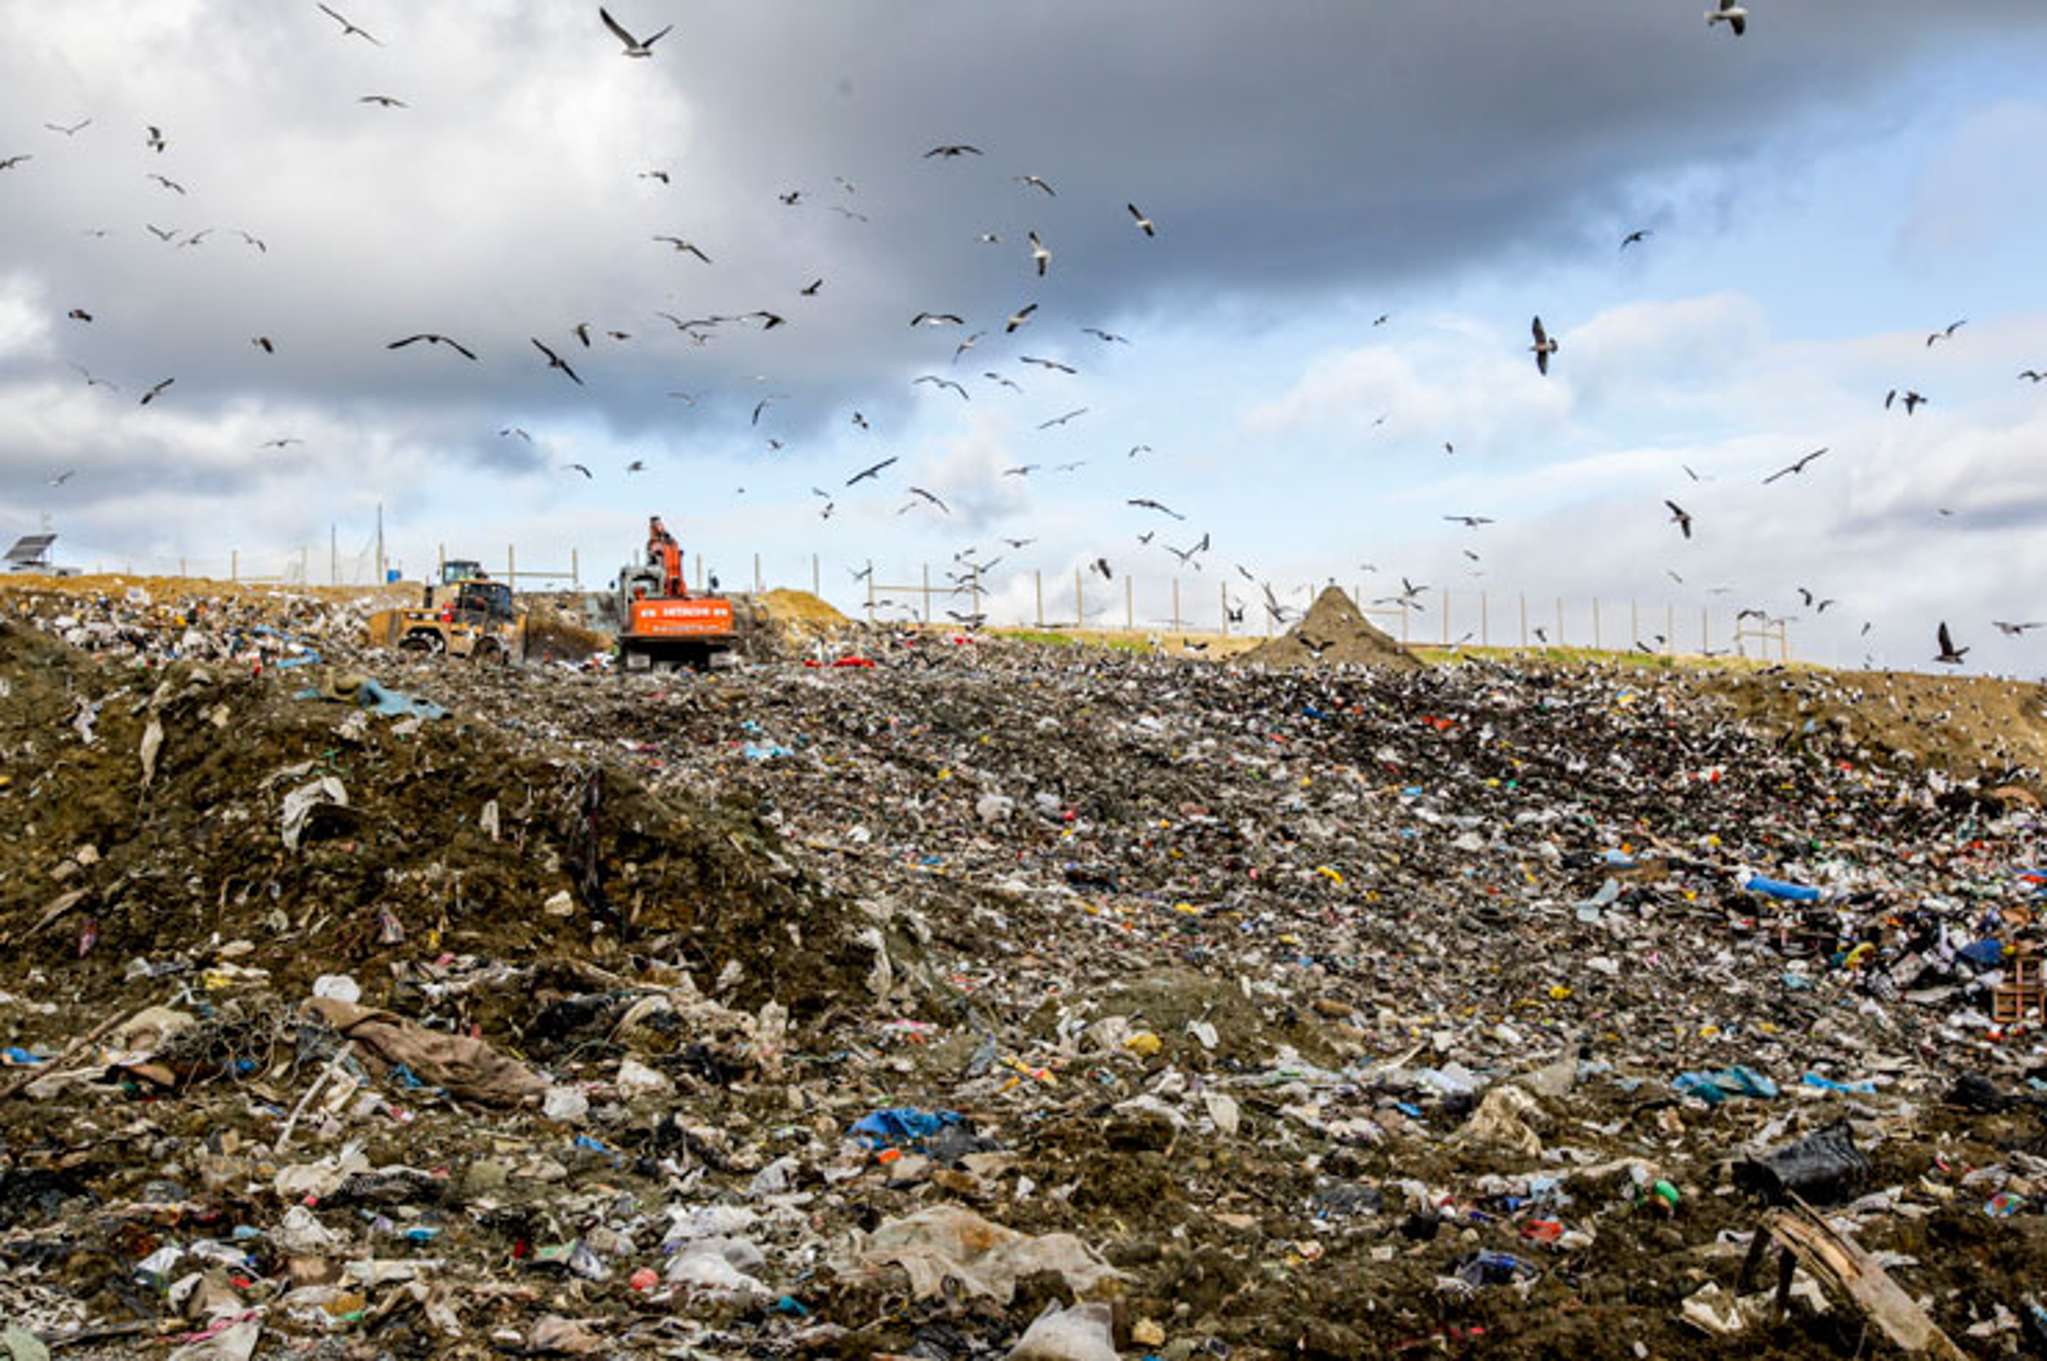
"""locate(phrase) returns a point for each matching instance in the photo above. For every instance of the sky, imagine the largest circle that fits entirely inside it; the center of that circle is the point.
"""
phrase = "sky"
(1359, 205)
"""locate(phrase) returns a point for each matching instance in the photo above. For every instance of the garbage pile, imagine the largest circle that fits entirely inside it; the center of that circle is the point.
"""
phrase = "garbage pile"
(997, 1000)
(1333, 632)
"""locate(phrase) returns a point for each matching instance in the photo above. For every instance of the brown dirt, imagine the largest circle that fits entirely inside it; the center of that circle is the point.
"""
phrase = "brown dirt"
(1332, 633)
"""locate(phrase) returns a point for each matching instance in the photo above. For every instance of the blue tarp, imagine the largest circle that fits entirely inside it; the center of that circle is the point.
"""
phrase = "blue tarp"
(1714, 1088)
(902, 1126)
(368, 694)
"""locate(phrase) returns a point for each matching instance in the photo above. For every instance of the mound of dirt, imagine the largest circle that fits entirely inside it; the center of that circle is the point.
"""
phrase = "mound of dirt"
(1332, 633)
(153, 814)
(557, 634)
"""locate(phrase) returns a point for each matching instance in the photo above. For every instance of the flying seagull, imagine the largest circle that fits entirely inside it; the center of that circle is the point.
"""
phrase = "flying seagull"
(683, 245)
(636, 466)
(1692, 475)
(1036, 183)
(2008, 630)
(61, 478)
(252, 241)
(936, 381)
(1039, 255)
(1911, 399)
(1047, 364)
(1468, 521)
(661, 175)
(966, 345)
(92, 382)
(582, 332)
(937, 319)
(919, 491)
(1137, 449)
(762, 405)
(170, 184)
(952, 150)
(384, 102)
(1543, 347)
(1946, 333)
(432, 339)
(1019, 318)
(159, 233)
(1102, 565)
(1106, 337)
(1797, 467)
(515, 430)
(1680, 517)
(1009, 383)
(285, 443)
(1635, 238)
(555, 361)
(1146, 503)
(348, 28)
(1061, 420)
(579, 468)
(633, 46)
(865, 473)
(264, 343)
(1144, 224)
(78, 314)
(71, 131)
(2032, 375)
(156, 391)
(155, 141)
(1735, 16)
(1950, 655)
(791, 199)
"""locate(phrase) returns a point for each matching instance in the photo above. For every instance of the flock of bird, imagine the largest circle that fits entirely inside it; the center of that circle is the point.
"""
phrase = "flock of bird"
(1546, 348)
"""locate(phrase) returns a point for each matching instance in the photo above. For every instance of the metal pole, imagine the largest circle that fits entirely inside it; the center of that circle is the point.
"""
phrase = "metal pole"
(575, 569)
(1524, 619)
(1079, 610)
(512, 567)
(870, 590)
(700, 574)
(816, 579)
(974, 589)
(927, 592)
(1670, 628)
(1038, 589)
(1223, 603)
(1634, 625)
(182, 571)
(1176, 604)
(757, 587)
(305, 566)
(333, 556)
(1446, 616)
(440, 562)
(1595, 623)
(234, 564)
(1560, 623)
(1129, 603)
(1484, 624)
(1705, 631)
(382, 570)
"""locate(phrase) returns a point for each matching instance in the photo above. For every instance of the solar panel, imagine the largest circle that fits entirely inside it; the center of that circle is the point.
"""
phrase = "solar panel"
(30, 548)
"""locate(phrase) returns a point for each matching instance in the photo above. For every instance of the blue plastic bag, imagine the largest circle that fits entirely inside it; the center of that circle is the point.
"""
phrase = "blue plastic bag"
(1714, 1088)
(899, 1126)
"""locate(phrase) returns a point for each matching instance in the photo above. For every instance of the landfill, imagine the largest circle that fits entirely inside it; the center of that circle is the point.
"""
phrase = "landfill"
(924, 993)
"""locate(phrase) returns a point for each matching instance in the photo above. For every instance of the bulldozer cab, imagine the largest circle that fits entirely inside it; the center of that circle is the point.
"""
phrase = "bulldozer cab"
(483, 602)
(455, 571)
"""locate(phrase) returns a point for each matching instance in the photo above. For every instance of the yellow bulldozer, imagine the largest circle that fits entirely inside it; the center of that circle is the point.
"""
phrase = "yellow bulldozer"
(464, 614)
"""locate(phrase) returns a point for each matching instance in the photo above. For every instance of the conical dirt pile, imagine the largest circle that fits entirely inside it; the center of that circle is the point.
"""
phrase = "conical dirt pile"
(1332, 633)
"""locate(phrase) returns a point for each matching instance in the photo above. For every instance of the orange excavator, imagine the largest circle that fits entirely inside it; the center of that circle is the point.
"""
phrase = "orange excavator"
(660, 623)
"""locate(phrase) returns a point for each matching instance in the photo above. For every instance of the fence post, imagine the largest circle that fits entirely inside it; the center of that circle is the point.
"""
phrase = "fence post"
(757, 586)
(1595, 623)
(234, 564)
(1223, 600)
(1176, 604)
(927, 592)
(1446, 616)
(1038, 589)
(333, 555)
(1405, 615)
(1560, 623)
(440, 562)
(870, 590)
(1524, 620)
(182, 572)
(1705, 631)
(1129, 603)
(1079, 607)
(1484, 627)
(512, 567)
(1670, 628)
(575, 569)
(816, 578)
(1634, 624)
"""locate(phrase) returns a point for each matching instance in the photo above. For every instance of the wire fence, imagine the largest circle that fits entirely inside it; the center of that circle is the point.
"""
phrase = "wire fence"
(967, 594)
